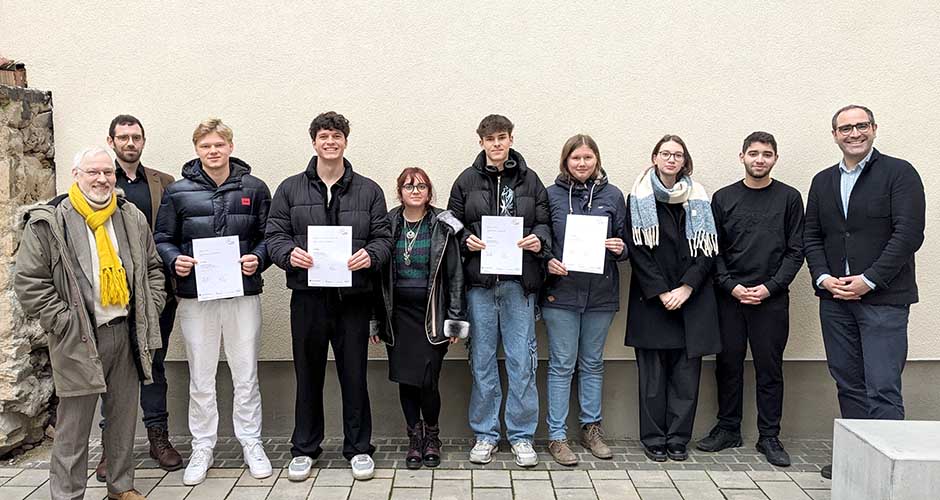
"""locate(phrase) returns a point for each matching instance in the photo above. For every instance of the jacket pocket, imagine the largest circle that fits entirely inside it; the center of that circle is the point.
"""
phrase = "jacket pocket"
(880, 207)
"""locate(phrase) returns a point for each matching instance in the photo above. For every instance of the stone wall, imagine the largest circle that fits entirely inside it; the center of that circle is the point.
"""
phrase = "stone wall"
(27, 176)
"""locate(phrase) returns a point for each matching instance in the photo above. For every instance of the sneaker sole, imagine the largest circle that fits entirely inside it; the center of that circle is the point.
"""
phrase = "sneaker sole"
(520, 464)
(259, 476)
(297, 477)
(736, 444)
(363, 476)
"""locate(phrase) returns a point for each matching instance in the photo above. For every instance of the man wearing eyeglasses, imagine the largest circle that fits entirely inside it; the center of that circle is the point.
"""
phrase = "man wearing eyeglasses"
(144, 187)
(864, 222)
(88, 267)
(329, 193)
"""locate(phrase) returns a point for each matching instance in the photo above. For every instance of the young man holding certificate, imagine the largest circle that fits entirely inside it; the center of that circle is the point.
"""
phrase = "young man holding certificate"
(490, 197)
(216, 202)
(329, 209)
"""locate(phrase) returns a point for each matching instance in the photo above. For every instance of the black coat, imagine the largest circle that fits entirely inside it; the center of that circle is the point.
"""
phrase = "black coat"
(586, 291)
(474, 195)
(447, 311)
(884, 227)
(356, 201)
(694, 326)
(195, 207)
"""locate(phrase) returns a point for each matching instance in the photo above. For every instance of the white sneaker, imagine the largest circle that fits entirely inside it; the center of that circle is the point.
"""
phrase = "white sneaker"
(257, 461)
(363, 467)
(525, 454)
(482, 452)
(299, 468)
(199, 463)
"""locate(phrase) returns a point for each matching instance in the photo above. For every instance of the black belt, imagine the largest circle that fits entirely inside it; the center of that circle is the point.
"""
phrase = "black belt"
(116, 321)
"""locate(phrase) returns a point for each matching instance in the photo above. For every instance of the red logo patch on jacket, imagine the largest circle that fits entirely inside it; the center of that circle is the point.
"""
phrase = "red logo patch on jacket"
(246, 202)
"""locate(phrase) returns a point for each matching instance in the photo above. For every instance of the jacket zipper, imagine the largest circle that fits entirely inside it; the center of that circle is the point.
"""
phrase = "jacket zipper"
(499, 197)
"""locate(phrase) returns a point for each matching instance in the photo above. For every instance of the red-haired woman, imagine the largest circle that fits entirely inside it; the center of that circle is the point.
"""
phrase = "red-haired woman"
(423, 310)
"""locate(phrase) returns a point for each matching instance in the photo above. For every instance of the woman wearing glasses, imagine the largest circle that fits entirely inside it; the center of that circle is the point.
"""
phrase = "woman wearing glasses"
(672, 318)
(423, 309)
(578, 307)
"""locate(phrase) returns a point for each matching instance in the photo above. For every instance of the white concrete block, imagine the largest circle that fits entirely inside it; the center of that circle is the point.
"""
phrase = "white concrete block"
(885, 460)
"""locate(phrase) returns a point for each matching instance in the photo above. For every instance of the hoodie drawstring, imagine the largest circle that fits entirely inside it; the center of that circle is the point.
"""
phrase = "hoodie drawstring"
(590, 197)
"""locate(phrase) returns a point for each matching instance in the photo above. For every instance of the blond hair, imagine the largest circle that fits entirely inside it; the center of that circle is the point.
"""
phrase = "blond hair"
(212, 125)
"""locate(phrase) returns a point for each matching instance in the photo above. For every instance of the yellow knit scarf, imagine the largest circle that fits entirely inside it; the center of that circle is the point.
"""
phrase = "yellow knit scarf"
(112, 276)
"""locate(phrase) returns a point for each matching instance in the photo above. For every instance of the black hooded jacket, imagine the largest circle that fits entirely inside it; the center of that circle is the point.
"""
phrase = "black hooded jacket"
(474, 194)
(195, 207)
(356, 201)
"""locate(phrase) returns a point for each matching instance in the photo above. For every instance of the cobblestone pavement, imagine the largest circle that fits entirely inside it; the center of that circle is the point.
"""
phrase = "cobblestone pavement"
(739, 474)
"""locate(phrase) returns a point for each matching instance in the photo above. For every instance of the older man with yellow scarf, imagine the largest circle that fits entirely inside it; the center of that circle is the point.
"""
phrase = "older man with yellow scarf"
(88, 268)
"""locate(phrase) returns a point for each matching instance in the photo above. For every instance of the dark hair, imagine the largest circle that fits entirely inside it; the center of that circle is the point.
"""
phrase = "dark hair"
(575, 142)
(687, 166)
(871, 116)
(416, 173)
(762, 137)
(125, 120)
(330, 120)
(493, 124)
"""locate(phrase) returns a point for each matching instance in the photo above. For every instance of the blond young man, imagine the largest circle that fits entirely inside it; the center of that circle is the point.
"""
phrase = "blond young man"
(218, 196)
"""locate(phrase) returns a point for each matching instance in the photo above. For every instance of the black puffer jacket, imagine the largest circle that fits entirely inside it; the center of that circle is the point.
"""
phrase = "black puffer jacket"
(195, 207)
(356, 201)
(474, 195)
(446, 314)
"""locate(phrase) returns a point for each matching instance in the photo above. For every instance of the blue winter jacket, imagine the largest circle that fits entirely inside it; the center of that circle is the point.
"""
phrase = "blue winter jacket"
(583, 292)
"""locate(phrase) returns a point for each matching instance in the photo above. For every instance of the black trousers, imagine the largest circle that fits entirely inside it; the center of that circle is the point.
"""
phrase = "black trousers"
(319, 318)
(766, 327)
(668, 395)
(866, 348)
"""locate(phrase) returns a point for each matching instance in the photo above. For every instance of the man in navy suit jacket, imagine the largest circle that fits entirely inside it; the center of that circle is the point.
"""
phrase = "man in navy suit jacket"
(864, 221)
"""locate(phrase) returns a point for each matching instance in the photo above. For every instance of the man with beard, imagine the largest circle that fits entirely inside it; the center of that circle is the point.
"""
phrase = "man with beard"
(864, 221)
(144, 188)
(760, 226)
(87, 266)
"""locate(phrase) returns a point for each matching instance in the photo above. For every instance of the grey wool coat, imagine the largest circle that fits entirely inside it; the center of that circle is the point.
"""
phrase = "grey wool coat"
(53, 281)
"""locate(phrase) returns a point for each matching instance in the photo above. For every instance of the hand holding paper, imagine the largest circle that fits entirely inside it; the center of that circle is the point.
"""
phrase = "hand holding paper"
(585, 243)
(218, 268)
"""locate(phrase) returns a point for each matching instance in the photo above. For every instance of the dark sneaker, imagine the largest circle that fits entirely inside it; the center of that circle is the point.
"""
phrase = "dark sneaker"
(826, 471)
(677, 452)
(719, 439)
(772, 449)
(655, 453)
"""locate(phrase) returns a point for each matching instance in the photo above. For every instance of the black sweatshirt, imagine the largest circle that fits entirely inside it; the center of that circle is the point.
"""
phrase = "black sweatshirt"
(760, 236)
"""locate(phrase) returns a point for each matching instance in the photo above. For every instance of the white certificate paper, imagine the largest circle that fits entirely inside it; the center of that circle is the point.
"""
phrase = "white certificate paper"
(584, 243)
(218, 270)
(330, 247)
(502, 254)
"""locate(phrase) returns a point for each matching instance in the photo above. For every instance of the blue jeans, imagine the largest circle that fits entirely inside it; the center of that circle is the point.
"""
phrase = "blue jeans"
(503, 312)
(575, 337)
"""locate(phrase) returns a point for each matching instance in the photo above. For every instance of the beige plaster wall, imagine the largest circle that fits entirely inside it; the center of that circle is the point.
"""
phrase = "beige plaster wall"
(415, 78)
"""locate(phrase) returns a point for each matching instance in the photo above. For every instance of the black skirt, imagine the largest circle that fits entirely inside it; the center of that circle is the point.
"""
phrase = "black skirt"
(413, 360)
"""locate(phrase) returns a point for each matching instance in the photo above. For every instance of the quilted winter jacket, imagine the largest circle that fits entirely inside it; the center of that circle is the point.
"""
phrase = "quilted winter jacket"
(195, 207)
(356, 201)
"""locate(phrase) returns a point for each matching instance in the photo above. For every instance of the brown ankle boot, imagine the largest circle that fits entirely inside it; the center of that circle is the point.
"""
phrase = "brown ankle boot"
(592, 438)
(127, 495)
(432, 446)
(415, 442)
(101, 471)
(162, 450)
